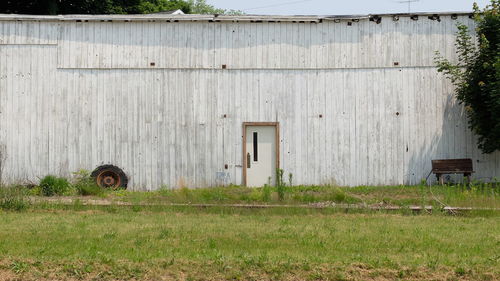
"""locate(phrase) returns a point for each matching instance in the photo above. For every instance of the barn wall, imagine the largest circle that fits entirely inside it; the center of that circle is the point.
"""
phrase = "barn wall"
(66, 105)
(242, 45)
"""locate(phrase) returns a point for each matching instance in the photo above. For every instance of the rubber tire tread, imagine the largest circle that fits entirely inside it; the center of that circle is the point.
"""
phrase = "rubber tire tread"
(113, 168)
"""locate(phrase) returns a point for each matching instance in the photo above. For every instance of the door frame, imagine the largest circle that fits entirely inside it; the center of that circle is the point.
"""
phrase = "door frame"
(277, 145)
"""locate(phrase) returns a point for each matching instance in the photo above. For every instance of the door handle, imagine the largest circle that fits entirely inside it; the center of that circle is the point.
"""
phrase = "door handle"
(248, 160)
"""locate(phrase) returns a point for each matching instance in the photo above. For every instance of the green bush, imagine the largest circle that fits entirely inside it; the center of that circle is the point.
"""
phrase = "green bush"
(52, 185)
(85, 185)
(14, 198)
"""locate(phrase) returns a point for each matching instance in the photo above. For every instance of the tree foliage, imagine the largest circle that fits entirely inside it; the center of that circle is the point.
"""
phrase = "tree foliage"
(52, 7)
(201, 7)
(476, 75)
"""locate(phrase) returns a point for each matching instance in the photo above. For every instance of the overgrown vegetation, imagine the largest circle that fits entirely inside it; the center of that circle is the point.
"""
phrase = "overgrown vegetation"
(80, 184)
(477, 195)
(51, 185)
(480, 195)
(476, 75)
(13, 198)
(85, 185)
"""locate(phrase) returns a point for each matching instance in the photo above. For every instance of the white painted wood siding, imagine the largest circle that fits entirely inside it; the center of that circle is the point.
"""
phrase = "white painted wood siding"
(265, 45)
(28, 32)
(74, 95)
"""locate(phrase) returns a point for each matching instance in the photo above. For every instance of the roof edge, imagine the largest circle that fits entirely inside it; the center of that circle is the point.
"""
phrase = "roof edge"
(195, 17)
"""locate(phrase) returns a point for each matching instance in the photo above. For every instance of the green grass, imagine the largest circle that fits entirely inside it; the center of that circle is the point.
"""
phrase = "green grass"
(479, 195)
(149, 243)
(13, 198)
(151, 240)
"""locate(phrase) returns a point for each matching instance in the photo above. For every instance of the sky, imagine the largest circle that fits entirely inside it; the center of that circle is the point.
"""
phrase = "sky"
(344, 7)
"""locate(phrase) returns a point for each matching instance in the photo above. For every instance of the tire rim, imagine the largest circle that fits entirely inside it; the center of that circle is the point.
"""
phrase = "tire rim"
(108, 179)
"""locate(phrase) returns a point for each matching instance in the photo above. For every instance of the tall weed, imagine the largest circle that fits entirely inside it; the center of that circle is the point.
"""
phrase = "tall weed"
(14, 198)
(280, 184)
(266, 193)
(52, 185)
(85, 185)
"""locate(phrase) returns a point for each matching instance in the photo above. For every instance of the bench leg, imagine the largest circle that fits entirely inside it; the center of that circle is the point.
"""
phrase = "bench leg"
(468, 176)
(440, 179)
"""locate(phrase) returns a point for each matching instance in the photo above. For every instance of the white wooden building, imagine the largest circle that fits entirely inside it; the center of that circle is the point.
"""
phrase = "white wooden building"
(185, 100)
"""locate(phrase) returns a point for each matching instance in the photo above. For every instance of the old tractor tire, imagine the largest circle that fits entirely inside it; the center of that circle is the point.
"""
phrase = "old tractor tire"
(109, 176)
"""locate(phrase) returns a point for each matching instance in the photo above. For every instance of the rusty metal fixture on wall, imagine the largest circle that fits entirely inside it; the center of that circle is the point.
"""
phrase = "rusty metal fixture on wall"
(435, 17)
(110, 176)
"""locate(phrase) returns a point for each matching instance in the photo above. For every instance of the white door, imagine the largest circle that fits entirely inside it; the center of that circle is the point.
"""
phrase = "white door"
(260, 155)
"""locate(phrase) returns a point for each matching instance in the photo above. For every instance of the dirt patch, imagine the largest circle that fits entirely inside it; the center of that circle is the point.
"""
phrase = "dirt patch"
(7, 275)
(177, 270)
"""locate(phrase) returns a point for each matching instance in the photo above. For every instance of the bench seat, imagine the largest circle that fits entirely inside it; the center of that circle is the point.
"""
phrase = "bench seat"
(452, 166)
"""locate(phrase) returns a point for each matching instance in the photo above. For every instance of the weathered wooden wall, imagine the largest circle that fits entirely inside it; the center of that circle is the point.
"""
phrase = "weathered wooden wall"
(74, 95)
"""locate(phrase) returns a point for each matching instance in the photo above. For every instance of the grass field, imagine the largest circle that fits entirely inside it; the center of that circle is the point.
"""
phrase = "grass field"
(127, 243)
(151, 240)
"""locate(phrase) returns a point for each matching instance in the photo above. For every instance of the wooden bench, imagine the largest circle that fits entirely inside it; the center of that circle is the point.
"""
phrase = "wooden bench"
(452, 166)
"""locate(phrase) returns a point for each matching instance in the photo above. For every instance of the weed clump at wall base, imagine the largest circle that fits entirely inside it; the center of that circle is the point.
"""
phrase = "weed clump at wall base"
(280, 185)
(13, 198)
(52, 185)
(85, 185)
(266, 193)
